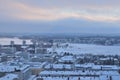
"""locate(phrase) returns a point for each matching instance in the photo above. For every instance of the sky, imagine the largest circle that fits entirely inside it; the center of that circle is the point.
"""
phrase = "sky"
(60, 16)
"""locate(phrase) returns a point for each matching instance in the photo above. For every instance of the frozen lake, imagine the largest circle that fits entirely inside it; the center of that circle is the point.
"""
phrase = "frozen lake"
(90, 48)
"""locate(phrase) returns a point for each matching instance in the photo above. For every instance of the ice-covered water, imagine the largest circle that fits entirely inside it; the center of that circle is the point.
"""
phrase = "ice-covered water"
(90, 48)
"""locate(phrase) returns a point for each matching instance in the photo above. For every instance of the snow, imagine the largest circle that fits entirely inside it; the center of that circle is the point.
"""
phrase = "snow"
(6, 41)
(80, 72)
(74, 75)
(9, 68)
(104, 77)
(97, 67)
(90, 48)
(9, 77)
(58, 66)
(70, 78)
(66, 58)
(81, 78)
(95, 70)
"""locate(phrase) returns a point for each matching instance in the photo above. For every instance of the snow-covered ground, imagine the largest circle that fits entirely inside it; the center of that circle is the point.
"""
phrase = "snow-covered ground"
(90, 48)
(11, 68)
(6, 41)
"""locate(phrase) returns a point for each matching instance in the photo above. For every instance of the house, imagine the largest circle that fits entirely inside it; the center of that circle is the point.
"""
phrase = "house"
(22, 71)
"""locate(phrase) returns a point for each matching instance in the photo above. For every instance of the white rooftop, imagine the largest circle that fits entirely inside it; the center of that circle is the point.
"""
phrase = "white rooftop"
(9, 77)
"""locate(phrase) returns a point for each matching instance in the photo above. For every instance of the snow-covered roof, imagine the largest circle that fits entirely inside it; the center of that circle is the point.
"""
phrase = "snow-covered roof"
(10, 68)
(58, 66)
(24, 47)
(80, 72)
(103, 59)
(92, 66)
(67, 58)
(9, 77)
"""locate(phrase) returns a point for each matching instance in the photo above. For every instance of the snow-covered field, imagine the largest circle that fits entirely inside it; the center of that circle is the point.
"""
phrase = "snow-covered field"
(90, 48)
(6, 41)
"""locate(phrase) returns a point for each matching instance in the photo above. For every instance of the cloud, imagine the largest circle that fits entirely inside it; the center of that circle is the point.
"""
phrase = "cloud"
(56, 10)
